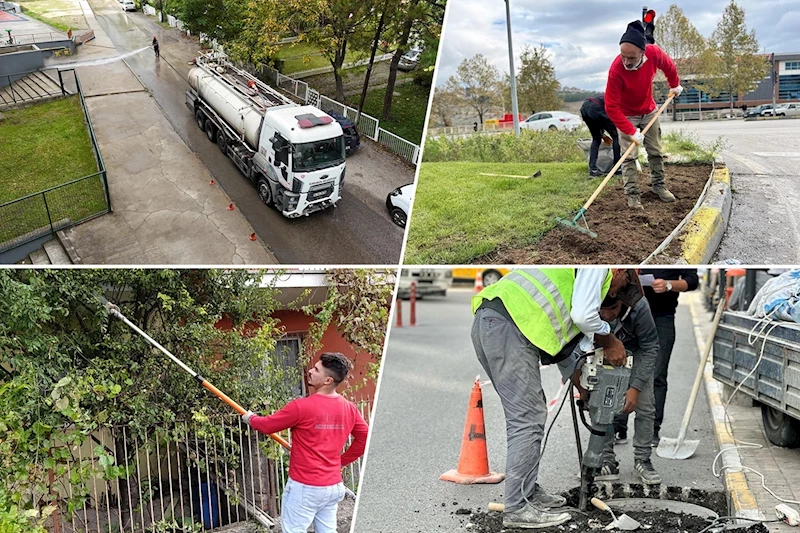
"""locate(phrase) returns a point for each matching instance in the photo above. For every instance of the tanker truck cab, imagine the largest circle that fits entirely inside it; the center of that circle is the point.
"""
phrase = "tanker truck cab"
(302, 151)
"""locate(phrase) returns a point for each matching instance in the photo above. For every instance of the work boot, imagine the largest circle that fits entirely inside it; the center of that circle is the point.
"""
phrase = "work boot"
(609, 472)
(545, 500)
(531, 518)
(635, 202)
(663, 194)
(594, 173)
(621, 437)
(656, 439)
(647, 472)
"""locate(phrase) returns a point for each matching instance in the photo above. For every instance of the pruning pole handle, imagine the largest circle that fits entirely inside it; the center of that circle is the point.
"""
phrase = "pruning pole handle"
(626, 154)
(241, 410)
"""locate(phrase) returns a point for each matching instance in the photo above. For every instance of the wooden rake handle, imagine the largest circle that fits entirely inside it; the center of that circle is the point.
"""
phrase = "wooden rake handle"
(626, 154)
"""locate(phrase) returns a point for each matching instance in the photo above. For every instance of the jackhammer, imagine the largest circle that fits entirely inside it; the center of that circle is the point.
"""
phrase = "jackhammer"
(607, 386)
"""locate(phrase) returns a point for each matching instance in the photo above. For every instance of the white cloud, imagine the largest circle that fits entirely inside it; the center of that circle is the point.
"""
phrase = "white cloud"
(583, 36)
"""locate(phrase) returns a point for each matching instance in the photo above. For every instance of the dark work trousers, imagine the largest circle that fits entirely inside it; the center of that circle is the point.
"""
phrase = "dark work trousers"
(665, 327)
(598, 123)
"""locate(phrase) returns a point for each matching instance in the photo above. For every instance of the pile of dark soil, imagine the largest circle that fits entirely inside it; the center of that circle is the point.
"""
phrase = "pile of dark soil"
(624, 236)
(595, 520)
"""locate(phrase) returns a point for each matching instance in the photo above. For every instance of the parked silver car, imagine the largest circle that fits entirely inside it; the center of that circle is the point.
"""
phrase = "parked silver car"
(787, 110)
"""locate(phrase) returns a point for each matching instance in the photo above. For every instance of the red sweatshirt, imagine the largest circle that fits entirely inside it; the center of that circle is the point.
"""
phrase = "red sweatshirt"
(630, 92)
(320, 426)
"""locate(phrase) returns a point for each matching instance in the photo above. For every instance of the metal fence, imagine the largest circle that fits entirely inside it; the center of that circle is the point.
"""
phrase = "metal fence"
(293, 86)
(31, 38)
(36, 215)
(174, 478)
(405, 149)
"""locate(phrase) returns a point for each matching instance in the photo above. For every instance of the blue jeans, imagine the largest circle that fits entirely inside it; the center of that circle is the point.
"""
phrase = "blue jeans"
(303, 505)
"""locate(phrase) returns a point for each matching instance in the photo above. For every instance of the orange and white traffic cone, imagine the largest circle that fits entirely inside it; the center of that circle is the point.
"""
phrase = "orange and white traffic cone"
(473, 462)
(479, 281)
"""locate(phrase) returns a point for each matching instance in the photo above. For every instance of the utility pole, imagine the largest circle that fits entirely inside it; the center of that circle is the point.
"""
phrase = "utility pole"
(774, 75)
(514, 107)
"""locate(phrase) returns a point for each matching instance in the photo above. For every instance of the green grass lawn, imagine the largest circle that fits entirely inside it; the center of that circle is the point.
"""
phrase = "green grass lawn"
(60, 14)
(688, 148)
(459, 215)
(408, 110)
(43, 146)
(301, 56)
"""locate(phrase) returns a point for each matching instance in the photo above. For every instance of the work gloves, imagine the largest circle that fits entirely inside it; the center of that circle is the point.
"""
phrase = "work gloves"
(247, 416)
(638, 137)
(676, 91)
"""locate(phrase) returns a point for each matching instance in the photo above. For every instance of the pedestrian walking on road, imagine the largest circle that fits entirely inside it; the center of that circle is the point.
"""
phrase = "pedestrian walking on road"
(593, 112)
(528, 317)
(155, 47)
(630, 105)
(321, 424)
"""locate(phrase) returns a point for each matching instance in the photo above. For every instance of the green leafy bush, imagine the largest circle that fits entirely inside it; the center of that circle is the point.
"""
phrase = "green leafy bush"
(529, 147)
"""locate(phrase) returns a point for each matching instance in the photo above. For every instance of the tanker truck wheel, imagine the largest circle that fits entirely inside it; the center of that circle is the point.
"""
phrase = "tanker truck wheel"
(265, 192)
(201, 119)
(210, 133)
(222, 141)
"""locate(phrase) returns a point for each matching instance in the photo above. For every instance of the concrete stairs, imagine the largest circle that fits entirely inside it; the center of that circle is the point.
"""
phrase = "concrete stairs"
(52, 252)
(34, 86)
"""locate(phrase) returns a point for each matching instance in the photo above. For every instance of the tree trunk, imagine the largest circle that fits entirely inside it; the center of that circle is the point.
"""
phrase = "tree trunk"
(480, 117)
(371, 61)
(337, 70)
(387, 100)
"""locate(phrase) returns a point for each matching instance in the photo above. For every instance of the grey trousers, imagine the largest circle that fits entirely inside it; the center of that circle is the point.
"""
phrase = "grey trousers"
(642, 427)
(512, 363)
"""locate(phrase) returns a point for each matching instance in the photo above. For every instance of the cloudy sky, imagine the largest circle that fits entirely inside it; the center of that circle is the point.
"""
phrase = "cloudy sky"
(583, 35)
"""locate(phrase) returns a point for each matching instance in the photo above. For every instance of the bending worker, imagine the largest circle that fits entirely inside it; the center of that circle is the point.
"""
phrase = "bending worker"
(593, 112)
(321, 424)
(630, 105)
(534, 316)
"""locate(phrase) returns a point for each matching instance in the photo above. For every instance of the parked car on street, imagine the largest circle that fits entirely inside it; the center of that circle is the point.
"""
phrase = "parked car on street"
(767, 110)
(352, 140)
(128, 5)
(552, 120)
(754, 111)
(787, 110)
(399, 203)
(410, 60)
(429, 282)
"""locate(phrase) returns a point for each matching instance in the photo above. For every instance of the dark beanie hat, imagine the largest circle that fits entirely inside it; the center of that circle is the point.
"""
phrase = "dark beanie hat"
(634, 35)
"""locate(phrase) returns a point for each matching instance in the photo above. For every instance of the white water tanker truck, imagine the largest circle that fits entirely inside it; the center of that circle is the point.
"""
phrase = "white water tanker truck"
(293, 154)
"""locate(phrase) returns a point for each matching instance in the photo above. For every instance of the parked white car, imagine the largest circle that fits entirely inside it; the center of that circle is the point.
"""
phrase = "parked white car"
(429, 282)
(552, 120)
(128, 5)
(399, 203)
(787, 110)
(767, 111)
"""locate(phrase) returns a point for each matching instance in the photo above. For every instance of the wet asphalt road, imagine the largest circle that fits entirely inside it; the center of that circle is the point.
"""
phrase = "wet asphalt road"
(357, 231)
(419, 420)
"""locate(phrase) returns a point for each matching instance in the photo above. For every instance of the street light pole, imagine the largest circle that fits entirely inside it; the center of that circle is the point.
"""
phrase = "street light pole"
(514, 107)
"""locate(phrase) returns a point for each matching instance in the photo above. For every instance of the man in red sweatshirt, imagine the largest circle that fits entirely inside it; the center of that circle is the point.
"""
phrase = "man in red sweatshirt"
(321, 424)
(630, 106)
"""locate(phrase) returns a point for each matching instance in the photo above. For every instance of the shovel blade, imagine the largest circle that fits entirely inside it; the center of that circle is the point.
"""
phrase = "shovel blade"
(676, 449)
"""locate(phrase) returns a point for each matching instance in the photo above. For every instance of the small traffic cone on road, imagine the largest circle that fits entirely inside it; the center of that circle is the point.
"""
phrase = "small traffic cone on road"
(473, 462)
(479, 281)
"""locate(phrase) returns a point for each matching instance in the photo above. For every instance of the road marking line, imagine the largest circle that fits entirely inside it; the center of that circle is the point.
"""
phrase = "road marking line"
(777, 154)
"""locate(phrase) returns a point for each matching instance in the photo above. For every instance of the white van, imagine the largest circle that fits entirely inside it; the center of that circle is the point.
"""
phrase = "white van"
(128, 5)
(429, 281)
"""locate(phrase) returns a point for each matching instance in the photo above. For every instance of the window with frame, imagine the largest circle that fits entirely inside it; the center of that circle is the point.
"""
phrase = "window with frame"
(791, 65)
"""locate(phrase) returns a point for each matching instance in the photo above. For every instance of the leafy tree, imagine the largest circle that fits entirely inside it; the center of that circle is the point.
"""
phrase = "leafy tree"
(475, 82)
(731, 63)
(537, 85)
(445, 103)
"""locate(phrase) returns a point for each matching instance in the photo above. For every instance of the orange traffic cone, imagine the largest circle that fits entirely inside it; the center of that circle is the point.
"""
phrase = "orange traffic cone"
(473, 462)
(478, 281)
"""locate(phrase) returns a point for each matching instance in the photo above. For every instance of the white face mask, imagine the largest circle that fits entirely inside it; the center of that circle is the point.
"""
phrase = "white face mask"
(637, 67)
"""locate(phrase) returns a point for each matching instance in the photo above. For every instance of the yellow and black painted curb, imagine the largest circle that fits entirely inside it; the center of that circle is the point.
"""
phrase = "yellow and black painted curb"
(703, 231)
(741, 500)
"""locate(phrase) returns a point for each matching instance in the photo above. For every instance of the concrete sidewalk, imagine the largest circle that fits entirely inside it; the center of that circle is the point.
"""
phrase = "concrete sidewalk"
(165, 209)
(778, 465)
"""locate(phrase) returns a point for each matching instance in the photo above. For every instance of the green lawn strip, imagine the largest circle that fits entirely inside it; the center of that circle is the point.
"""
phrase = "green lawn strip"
(460, 215)
(41, 9)
(408, 110)
(301, 56)
(46, 145)
(687, 147)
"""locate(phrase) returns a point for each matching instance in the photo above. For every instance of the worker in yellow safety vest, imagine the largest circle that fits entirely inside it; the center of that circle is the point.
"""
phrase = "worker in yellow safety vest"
(534, 317)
